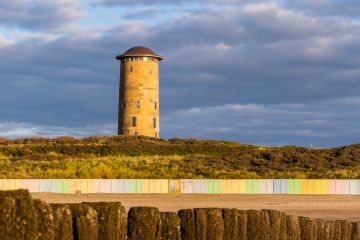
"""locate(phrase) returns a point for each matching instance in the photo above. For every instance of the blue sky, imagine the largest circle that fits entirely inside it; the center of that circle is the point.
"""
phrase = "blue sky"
(261, 72)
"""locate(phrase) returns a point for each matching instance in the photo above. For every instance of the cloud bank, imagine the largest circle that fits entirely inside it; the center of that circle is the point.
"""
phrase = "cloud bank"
(266, 72)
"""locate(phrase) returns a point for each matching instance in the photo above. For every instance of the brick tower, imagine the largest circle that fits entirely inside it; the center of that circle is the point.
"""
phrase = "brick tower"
(139, 92)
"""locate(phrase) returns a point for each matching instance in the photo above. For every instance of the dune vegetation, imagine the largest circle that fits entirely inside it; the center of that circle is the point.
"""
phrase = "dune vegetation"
(142, 157)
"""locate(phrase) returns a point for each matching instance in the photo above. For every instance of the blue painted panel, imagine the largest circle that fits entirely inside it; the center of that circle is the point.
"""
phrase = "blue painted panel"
(203, 186)
(127, 186)
(53, 185)
(121, 186)
(45, 185)
(277, 186)
(346, 186)
(172, 186)
(197, 186)
(283, 186)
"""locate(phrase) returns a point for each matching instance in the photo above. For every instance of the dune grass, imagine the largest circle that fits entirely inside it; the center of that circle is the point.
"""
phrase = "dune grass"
(140, 157)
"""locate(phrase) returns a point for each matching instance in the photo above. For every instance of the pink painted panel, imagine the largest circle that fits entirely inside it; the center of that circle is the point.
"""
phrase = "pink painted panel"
(332, 186)
(105, 186)
(24, 184)
(263, 184)
(96, 185)
(339, 186)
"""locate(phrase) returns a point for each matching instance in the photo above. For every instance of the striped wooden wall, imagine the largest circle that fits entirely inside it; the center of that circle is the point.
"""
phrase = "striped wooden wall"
(206, 186)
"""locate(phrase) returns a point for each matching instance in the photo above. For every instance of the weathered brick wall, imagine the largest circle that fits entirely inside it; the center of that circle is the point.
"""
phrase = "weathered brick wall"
(21, 217)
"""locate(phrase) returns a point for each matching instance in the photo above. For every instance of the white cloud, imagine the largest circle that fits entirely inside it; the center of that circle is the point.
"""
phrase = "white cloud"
(4, 42)
(20, 130)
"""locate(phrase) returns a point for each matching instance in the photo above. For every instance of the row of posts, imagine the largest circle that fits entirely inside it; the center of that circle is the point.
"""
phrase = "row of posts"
(22, 217)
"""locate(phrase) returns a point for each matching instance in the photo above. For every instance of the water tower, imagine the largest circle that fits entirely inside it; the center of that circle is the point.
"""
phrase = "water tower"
(139, 93)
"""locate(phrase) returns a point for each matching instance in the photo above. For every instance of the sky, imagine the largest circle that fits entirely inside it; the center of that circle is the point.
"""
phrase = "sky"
(270, 73)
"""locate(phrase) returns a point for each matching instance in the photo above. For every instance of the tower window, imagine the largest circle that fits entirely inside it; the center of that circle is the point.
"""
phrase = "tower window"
(131, 68)
(154, 122)
(134, 121)
(155, 105)
(138, 104)
(124, 104)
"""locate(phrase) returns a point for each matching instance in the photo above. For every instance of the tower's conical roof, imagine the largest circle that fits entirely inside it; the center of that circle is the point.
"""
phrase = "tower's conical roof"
(139, 51)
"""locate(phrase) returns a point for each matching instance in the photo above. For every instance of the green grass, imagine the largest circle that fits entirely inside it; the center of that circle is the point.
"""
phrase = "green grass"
(141, 157)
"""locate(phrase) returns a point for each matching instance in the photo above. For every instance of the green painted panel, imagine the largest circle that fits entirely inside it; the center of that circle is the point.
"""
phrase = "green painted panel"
(66, 184)
(249, 186)
(133, 185)
(291, 186)
(59, 186)
(297, 186)
(139, 186)
(216, 186)
(256, 186)
(210, 186)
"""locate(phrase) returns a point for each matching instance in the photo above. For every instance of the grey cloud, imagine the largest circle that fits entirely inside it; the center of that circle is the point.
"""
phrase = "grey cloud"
(318, 124)
(322, 7)
(344, 8)
(143, 13)
(173, 2)
(260, 56)
(40, 14)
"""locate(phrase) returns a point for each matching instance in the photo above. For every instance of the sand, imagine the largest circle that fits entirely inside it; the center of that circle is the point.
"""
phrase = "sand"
(314, 206)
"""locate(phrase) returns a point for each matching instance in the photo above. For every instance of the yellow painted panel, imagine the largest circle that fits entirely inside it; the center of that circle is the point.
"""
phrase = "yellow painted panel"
(164, 186)
(82, 185)
(13, 184)
(72, 186)
(230, 187)
(325, 187)
(235, 186)
(243, 184)
(146, 185)
(90, 186)
(223, 186)
(9, 184)
(156, 186)
(151, 186)
(17, 183)
(317, 186)
(6, 185)
(2, 184)
(304, 186)
(311, 187)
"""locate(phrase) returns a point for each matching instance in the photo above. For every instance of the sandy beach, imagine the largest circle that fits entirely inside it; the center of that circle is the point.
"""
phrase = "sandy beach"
(314, 206)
